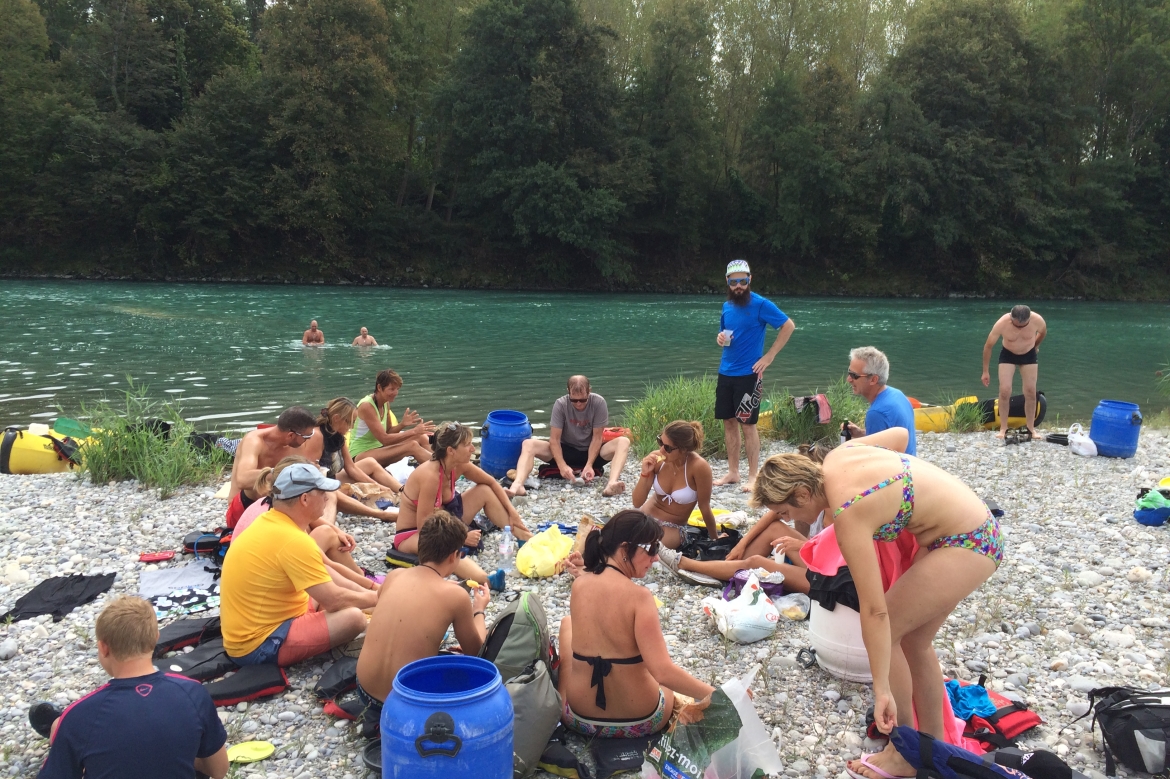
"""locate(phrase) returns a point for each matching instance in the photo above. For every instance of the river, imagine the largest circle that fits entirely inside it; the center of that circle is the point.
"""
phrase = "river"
(231, 353)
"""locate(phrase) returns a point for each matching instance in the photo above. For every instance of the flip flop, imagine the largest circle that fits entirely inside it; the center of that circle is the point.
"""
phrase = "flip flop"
(250, 751)
(867, 762)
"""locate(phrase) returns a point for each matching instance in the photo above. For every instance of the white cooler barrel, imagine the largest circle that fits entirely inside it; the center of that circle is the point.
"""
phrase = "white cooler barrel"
(836, 636)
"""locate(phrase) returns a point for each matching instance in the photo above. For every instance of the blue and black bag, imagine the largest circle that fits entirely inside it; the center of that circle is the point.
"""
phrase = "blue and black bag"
(936, 759)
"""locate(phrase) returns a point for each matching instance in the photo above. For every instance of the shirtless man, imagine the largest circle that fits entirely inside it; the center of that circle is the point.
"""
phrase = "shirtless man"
(264, 448)
(365, 339)
(415, 608)
(1022, 331)
(313, 336)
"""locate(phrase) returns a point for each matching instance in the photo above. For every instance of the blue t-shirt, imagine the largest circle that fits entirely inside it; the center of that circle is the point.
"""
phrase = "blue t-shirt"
(748, 324)
(891, 409)
(151, 727)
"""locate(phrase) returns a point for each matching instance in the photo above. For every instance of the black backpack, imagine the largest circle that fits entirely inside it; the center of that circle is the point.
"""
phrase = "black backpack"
(1136, 727)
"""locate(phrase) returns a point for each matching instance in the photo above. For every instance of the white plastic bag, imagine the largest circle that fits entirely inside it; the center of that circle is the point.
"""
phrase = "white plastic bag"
(722, 739)
(749, 617)
(1080, 443)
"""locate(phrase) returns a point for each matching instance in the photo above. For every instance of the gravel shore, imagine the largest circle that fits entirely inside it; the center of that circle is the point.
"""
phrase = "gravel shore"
(1079, 602)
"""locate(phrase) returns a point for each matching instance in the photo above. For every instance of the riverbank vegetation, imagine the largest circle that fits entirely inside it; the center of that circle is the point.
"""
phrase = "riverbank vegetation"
(944, 146)
(137, 438)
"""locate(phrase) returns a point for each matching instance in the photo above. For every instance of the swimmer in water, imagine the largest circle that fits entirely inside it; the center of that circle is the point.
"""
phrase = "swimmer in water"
(365, 339)
(313, 336)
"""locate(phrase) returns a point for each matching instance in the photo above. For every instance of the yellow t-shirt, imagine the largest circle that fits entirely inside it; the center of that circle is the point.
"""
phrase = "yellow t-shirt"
(265, 575)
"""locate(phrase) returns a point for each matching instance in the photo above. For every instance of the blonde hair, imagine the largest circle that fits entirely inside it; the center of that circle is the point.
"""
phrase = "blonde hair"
(687, 436)
(267, 476)
(338, 407)
(128, 627)
(779, 477)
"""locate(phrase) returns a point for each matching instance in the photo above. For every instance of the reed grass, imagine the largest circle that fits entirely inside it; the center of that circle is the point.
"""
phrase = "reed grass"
(682, 397)
(802, 427)
(965, 418)
(128, 443)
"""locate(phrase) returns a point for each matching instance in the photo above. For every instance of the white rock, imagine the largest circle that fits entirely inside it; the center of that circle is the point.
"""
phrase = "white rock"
(1077, 708)
(1089, 578)
(1139, 574)
(1118, 638)
(8, 649)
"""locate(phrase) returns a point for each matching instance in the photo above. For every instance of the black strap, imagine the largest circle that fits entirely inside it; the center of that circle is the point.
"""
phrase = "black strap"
(601, 669)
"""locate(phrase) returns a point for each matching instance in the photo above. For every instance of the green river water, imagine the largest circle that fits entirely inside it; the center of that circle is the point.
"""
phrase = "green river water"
(231, 353)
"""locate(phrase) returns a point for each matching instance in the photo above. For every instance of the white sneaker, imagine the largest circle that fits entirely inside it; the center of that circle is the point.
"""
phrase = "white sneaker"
(671, 557)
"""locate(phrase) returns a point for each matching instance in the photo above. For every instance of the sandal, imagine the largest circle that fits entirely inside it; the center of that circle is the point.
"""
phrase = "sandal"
(866, 760)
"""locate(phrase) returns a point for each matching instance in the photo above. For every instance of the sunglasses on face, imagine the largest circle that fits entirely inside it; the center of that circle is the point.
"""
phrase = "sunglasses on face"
(578, 401)
(302, 435)
(856, 376)
(666, 448)
(739, 282)
(650, 549)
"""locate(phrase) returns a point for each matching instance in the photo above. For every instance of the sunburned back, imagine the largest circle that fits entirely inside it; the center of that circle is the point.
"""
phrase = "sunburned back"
(603, 609)
(415, 608)
(942, 504)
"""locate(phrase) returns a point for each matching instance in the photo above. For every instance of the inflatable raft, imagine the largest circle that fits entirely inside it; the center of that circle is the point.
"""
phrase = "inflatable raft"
(23, 452)
(937, 419)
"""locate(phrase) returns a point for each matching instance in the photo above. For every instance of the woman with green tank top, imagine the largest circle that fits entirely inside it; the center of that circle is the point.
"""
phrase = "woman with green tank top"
(379, 434)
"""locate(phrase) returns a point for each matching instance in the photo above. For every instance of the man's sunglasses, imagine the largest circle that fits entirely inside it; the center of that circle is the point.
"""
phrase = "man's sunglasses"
(665, 447)
(739, 282)
(302, 435)
(856, 376)
(578, 401)
(650, 549)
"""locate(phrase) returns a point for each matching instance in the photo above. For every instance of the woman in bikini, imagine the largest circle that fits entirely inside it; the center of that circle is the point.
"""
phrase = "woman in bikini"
(432, 486)
(329, 449)
(675, 478)
(875, 493)
(617, 678)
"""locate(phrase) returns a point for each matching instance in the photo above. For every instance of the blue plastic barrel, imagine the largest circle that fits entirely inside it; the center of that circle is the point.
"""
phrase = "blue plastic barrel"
(501, 437)
(447, 716)
(1115, 428)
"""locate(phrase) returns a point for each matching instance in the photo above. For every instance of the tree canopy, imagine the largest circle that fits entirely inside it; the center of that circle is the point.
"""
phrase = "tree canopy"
(864, 146)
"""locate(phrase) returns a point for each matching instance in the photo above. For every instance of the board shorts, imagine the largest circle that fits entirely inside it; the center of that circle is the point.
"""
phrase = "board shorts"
(236, 508)
(293, 640)
(576, 458)
(1030, 357)
(729, 391)
(610, 728)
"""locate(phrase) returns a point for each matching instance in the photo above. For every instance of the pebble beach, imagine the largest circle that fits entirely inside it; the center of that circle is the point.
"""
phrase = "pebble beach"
(1079, 602)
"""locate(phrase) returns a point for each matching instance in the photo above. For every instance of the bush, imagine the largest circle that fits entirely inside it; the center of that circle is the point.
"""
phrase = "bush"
(966, 418)
(802, 427)
(128, 442)
(678, 398)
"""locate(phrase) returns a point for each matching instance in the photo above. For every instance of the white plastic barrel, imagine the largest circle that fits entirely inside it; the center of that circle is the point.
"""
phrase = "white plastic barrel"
(836, 636)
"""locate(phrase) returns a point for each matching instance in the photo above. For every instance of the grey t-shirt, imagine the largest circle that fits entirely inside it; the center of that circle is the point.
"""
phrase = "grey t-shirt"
(577, 424)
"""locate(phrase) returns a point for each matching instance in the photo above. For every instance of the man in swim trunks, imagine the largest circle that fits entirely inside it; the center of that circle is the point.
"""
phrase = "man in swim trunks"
(264, 448)
(742, 327)
(1022, 330)
(313, 336)
(575, 441)
(365, 339)
(869, 370)
(426, 600)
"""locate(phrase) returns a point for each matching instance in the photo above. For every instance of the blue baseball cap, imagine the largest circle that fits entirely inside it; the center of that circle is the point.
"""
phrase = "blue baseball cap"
(299, 478)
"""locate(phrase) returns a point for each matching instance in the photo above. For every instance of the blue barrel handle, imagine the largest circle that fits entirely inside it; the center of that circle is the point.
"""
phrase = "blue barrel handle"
(1136, 419)
(483, 431)
(440, 729)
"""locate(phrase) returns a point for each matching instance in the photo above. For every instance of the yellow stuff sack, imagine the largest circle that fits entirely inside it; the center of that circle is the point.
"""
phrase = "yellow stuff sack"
(696, 519)
(539, 556)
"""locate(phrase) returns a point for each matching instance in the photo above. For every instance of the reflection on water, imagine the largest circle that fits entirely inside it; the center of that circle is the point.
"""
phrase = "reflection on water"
(232, 353)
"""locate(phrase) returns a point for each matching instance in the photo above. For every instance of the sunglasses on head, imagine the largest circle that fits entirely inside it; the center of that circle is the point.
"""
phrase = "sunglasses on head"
(650, 548)
(739, 282)
(665, 447)
(855, 376)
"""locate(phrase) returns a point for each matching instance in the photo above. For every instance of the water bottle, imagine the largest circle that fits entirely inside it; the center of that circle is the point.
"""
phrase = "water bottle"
(507, 549)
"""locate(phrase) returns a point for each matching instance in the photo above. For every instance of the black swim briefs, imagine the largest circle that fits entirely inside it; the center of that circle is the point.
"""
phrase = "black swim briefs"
(1011, 358)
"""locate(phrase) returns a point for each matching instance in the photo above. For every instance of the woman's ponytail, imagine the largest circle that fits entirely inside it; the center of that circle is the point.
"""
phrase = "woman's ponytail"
(594, 559)
(627, 528)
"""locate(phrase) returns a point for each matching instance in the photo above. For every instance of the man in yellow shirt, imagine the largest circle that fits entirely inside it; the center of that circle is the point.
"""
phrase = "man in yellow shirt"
(272, 571)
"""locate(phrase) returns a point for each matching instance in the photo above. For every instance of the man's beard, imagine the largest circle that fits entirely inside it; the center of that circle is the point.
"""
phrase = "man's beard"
(738, 299)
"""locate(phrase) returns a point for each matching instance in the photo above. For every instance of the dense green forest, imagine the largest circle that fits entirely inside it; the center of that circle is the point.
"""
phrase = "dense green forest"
(865, 146)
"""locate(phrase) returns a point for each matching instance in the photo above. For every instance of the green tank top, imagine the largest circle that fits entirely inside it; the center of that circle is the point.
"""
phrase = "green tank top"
(360, 438)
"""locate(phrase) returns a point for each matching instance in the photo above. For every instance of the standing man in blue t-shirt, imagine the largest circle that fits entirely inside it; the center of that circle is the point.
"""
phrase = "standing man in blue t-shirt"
(742, 327)
(869, 370)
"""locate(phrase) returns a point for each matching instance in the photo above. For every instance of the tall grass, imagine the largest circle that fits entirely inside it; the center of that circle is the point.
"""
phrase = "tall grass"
(127, 443)
(965, 418)
(801, 427)
(678, 398)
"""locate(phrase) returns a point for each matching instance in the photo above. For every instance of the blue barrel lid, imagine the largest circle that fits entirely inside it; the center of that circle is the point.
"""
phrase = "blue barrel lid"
(446, 678)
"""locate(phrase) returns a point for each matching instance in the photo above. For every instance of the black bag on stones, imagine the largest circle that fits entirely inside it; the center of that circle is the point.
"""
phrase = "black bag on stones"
(1136, 727)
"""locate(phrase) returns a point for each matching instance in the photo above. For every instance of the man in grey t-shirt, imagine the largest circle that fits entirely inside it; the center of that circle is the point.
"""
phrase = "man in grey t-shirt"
(575, 441)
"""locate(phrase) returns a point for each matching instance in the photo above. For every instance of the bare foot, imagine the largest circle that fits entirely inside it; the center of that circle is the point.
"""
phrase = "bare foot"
(1001, 434)
(1034, 434)
(888, 760)
(730, 478)
(748, 487)
(516, 489)
(617, 488)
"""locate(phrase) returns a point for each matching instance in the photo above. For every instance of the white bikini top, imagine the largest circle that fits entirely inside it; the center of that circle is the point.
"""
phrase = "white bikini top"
(683, 494)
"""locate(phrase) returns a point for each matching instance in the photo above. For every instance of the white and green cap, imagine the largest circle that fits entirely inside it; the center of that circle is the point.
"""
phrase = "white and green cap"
(738, 266)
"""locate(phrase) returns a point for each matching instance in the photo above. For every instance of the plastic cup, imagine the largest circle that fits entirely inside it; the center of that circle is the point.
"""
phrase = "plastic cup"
(726, 336)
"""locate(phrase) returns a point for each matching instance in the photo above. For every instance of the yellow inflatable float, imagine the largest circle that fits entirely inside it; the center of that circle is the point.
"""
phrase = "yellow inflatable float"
(25, 452)
(937, 419)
